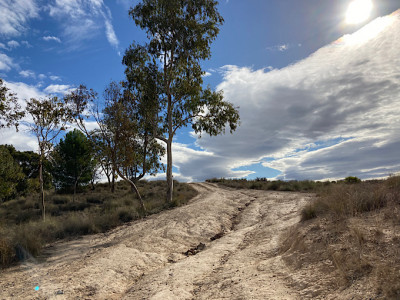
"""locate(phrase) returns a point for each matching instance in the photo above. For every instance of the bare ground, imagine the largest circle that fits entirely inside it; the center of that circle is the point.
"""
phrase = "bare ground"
(222, 245)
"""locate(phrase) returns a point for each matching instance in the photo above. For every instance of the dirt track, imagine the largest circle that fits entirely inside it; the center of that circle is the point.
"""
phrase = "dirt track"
(146, 260)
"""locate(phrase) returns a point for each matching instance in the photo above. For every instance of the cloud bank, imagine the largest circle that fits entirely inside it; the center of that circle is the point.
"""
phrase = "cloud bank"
(333, 114)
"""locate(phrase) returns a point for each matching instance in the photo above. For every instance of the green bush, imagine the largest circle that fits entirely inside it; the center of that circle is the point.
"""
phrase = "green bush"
(352, 179)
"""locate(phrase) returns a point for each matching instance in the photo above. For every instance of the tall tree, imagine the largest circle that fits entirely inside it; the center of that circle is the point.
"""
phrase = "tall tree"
(73, 161)
(180, 33)
(10, 110)
(50, 117)
(122, 133)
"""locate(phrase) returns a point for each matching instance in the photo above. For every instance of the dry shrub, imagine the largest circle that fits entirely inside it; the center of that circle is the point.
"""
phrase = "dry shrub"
(388, 277)
(7, 253)
(91, 212)
(343, 200)
(353, 228)
(350, 266)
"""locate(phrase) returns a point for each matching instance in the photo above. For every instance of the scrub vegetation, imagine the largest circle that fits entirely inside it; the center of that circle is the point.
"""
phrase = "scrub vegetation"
(23, 233)
(350, 233)
(273, 185)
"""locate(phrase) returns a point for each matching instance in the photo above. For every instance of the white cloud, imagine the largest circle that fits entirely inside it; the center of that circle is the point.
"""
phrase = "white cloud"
(51, 38)
(14, 16)
(21, 140)
(26, 44)
(27, 74)
(343, 99)
(3, 46)
(283, 47)
(207, 74)
(13, 44)
(82, 20)
(6, 63)
(58, 89)
(42, 76)
(24, 91)
(55, 78)
(111, 37)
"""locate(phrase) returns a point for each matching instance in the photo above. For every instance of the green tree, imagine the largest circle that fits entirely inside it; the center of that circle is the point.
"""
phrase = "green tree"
(10, 175)
(180, 33)
(103, 159)
(50, 116)
(10, 110)
(73, 161)
(29, 162)
(122, 132)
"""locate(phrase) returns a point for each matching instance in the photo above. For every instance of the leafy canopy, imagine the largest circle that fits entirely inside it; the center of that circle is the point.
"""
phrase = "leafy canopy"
(10, 110)
(73, 161)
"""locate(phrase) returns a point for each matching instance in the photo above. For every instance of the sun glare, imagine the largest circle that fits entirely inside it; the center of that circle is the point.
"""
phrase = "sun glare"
(358, 11)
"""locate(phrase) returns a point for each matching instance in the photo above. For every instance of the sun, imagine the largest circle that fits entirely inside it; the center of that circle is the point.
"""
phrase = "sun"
(358, 11)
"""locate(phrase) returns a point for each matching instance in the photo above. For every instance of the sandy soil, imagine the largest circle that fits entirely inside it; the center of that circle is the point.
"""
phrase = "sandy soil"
(233, 234)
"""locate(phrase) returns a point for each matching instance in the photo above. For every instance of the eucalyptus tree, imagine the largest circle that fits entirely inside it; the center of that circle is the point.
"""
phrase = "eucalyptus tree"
(10, 110)
(49, 118)
(179, 35)
(122, 132)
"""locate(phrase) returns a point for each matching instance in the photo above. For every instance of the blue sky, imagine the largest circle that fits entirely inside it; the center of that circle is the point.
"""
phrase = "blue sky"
(318, 99)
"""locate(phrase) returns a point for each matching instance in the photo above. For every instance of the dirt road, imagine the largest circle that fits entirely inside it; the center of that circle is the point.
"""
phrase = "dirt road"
(233, 233)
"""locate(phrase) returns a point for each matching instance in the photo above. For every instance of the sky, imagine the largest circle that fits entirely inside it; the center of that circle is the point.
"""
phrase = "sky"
(319, 98)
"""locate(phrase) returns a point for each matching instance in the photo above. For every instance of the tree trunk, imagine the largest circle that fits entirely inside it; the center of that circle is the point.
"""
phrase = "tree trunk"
(75, 184)
(42, 188)
(170, 179)
(133, 186)
(113, 182)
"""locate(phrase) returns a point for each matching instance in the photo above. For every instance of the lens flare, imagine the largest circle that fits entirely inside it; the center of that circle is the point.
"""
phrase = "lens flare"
(358, 11)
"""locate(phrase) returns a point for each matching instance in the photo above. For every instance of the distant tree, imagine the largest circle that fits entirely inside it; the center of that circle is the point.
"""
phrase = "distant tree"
(10, 110)
(50, 116)
(29, 162)
(180, 33)
(73, 162)
(10, 175)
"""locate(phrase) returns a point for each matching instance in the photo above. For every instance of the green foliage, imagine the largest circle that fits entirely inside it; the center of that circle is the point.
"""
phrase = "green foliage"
(50, 116)
(10, 110)
(29, 162)
(10, 175)
(73, 161)
(168, 70)
(352, 179)
(127, 134)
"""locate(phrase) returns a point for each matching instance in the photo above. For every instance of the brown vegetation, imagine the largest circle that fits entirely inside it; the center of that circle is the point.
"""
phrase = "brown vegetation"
(348, 242)
(23, 233)
(267, 185)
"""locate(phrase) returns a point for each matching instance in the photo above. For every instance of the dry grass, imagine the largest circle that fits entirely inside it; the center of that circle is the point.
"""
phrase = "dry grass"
(276, 185)
(349, 240)
(23, 233)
